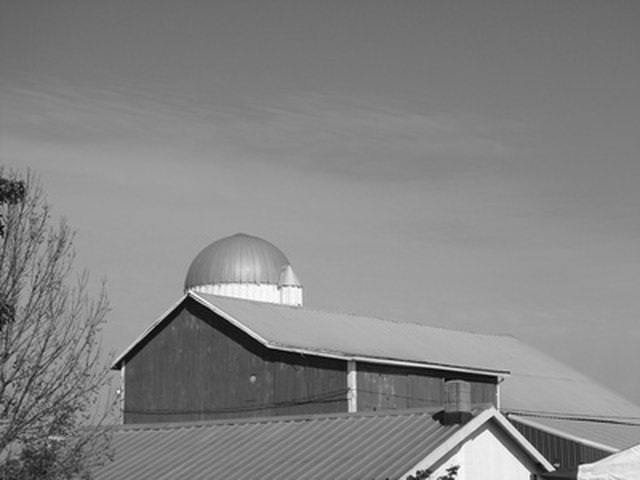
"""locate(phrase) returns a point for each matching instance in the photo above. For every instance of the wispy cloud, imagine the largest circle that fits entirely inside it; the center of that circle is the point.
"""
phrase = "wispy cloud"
(354, 139)
(374, 142)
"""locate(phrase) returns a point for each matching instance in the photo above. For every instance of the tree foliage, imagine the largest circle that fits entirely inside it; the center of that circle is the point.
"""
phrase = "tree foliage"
(51, 365)
(451, 473)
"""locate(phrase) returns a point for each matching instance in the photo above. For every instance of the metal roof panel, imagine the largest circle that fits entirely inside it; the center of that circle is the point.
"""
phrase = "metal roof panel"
(343, 446)
(352, 336)
(604, 435)
(372, 445)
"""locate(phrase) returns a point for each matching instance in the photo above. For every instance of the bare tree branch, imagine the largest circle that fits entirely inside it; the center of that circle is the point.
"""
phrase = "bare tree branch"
(51, 363)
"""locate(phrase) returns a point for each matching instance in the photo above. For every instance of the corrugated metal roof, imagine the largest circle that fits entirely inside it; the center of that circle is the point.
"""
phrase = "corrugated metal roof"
(353, 336)
(602, 435)
(239, 258)
(345, 446)
(537, 384)
(554, 395)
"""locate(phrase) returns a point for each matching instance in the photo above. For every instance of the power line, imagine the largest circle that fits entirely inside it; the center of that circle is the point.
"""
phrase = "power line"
(605, 419)
(328, 397)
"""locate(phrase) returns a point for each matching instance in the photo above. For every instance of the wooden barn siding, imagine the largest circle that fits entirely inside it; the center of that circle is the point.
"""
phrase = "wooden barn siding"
(563, 453)
(382, 387)
(198, 367)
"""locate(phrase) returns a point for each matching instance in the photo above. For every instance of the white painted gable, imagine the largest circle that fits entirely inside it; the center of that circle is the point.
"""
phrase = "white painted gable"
(486, 448)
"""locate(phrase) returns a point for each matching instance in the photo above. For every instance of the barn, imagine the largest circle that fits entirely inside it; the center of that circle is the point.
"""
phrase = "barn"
(240, 345)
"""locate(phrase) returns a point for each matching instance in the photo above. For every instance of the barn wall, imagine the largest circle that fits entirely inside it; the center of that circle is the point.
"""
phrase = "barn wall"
(198, 367)
(383, 387)
(561, 452)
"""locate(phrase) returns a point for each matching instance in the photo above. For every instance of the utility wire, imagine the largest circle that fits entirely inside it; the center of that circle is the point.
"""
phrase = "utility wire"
(606, 419)
(328, 397)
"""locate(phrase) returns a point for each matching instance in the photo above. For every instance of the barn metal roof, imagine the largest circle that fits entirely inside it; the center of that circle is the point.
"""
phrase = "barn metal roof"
(535, 384)
(560, 399)
(358, 337)
(375, 446)
(612, 434)
(350, 337)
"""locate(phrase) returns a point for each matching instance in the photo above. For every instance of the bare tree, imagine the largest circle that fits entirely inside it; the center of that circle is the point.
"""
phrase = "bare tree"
(51, 366)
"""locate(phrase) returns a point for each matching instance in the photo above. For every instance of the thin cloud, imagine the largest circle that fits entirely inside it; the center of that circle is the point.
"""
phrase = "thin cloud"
(319, 134)
(373, 142)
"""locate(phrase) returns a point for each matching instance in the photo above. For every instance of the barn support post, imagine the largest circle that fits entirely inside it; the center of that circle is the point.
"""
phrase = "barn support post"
(352, 385)
(121, 392)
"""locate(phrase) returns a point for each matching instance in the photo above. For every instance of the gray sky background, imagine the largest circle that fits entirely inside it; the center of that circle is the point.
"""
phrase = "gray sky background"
(465, 164)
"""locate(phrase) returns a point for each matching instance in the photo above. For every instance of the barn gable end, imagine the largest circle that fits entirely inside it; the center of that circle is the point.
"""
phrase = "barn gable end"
(196, 366)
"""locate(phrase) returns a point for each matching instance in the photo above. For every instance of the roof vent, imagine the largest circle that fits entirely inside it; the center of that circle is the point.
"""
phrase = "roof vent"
(457, 402)
(290, 287)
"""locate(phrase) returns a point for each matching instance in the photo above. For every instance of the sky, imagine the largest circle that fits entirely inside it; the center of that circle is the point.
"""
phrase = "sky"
(473, 165)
